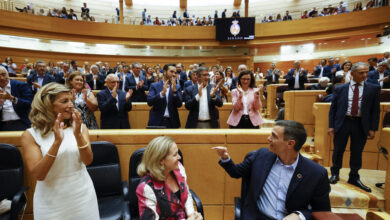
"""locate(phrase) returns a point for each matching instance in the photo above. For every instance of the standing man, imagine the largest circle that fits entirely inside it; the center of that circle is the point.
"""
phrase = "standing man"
(331, 69)
(319, 70)
(182, 74)
(40, 78)
(61, 77)
(114, 105)
(136, 82)
(287, 17)
(224, 14)
(201, 100)
(380, 76)
(296, 77)
(282, 184)
(95, 80)
(272, 75)
(386, 56)
(354, 113)
(165, 98)
(15, 103)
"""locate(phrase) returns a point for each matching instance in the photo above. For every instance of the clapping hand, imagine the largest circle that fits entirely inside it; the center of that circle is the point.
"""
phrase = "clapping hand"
(36, 85)
(115, 91)
(84, 91)
(165, 87)
(4, 95)
(213, 91)
(259, 89)
(129, 94)
(195, 216)
(200, 89)
(77, 122)
(74, 94)
(222, 152)
(58, 129)
(173, 85)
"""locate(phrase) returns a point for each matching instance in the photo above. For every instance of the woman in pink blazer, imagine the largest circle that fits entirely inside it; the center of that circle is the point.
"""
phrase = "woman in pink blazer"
(246, 103)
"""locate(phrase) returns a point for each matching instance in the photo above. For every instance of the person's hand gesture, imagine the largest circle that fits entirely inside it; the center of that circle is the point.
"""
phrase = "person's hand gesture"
(129, 94)
(84, 91)
(6, 96)
(36, 85)
(165, 87)
(115, 91)
(239, 89)
(77, 122)
(331, 131)
(173, 85)
(58, 129)
(73, 94)
(258, 90)
(141, 83)
(195, 216)
(213, 91)
(200, 89)
(222, 152)
(95, 77)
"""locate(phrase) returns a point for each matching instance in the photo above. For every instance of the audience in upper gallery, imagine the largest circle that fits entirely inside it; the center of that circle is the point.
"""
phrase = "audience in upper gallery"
(165, 97)
(114, 105)
(372, 62)
(346, 71)
(84, 100)
(95, 80)
(10, 66)
(57, 152)
(164, 183)
(246, 103)
(287, 17)
(380, 76)
(296, 77)
(15, 102)
(137, 83)
(40, 77)
(322, 84)
(201, 100)
(85, 11)
(272, 173)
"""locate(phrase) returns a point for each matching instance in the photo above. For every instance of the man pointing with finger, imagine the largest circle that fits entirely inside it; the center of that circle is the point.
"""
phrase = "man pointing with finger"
(165, 98)
(282, 184)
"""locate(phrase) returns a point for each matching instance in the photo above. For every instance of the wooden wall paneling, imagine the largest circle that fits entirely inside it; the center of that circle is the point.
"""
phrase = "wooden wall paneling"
(385, 142)
(272, 110)
(321, 138)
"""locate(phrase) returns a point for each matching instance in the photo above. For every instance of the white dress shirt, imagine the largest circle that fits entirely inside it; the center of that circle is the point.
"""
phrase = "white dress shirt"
(381, 76)
(166, 113)
(136, 79)
(322, 70)
(204, 113)
(296, 84)
(245, 102)
(9, 113)
(350, 96)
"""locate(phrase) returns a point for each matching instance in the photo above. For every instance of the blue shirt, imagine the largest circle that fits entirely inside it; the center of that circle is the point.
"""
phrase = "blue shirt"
(272, 199)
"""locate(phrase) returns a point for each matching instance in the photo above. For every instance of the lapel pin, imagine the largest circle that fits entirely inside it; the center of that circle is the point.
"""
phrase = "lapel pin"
(299, 176)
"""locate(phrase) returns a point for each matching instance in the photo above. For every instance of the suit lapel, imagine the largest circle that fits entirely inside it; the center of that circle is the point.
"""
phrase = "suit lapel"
(297, 177)
(344, 95)
(263, 169)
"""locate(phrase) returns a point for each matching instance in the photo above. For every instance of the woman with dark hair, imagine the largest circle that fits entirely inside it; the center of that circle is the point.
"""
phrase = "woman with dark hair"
(246, 103)
(346, 70)
(219, 81)
(228, 77)
(149, 76)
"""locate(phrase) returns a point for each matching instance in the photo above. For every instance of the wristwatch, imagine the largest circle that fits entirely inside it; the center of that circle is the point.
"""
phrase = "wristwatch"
(301, 216)
(14, 100)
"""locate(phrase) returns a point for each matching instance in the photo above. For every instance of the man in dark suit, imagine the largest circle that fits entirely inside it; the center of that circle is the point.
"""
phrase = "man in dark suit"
(321, 85)
(201, 100)
(319, 70)
(193, 81)
(282, 184)
(386, 56)
(114, 105)
(165, 97)
(224, 14)
(331, 69)
(137, 83)
(241, 68)
(354, 113)
(95, 80)
(373, 61)
(287, 17)
(380, 76)
(272, 75)
(40, 78)
(15, 103)
(182, 75)
(62, 76)
(296, 77)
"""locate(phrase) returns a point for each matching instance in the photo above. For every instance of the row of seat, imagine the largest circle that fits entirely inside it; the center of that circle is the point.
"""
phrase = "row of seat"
(116, 198)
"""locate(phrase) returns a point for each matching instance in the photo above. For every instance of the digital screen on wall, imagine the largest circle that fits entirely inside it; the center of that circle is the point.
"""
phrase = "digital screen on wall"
(235, 29)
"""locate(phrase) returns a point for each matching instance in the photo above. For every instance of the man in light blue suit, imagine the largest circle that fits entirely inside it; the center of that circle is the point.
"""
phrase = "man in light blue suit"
(165, 98)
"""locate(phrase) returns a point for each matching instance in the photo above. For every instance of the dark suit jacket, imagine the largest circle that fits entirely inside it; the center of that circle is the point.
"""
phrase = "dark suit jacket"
(369, 107)
(111, 117)
(311, 187)
(328, 71)
(47, 78)
(269, 77)
(290, 79)
(193, 105)
(183, 78)
(373, 77)
(234, 82)
(159, 104)
(22, 108)
(99, 81)
(325, 73)
(139, 94)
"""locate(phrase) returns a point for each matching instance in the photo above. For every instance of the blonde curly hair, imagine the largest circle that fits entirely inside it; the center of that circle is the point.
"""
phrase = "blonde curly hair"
(42, 116)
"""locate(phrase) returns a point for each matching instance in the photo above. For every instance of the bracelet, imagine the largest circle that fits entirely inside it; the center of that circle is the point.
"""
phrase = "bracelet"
(51, 155)
(85, 146)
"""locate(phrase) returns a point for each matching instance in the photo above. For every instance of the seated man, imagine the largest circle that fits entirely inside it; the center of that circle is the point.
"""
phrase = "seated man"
(296, 77)
(201, 100)
(283, 184)
(380, 76)
(165, 98)
(15, 103)
(322, 84)
(114, 104)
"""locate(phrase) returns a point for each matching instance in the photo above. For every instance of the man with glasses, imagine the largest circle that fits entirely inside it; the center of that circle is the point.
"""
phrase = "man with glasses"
(201, 100)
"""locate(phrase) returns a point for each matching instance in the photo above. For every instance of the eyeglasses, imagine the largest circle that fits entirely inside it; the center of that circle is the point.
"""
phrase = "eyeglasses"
(245, 79)
(206, 74)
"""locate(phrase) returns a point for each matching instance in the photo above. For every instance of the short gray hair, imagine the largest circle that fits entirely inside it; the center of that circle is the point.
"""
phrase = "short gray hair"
(40, 61)
(3, 69)
(357, 64)
(94, 66)
(323, 79)
(383, 63)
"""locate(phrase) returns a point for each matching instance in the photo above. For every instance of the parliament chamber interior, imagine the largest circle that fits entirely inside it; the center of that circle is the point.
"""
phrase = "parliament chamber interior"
(143, 66)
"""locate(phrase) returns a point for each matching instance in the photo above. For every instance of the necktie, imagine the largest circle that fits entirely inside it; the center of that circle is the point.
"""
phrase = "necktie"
(355, 101)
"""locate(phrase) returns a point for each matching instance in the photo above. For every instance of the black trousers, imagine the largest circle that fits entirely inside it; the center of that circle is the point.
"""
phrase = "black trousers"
(245, 122)
(352, 127)
(16, 125)
(166, 122)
